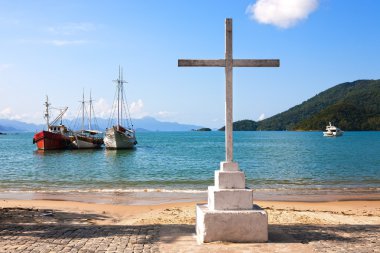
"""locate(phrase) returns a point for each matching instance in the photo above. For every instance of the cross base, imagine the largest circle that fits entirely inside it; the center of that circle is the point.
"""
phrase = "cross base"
(229, 215)
(229, 199)
(229, 179)
(231, 225)
(229, 166)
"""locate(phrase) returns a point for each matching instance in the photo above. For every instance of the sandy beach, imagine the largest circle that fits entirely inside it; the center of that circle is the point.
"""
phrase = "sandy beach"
(72, 226)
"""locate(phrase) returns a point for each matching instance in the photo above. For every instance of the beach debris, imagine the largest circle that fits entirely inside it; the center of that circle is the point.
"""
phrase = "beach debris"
(47, 213)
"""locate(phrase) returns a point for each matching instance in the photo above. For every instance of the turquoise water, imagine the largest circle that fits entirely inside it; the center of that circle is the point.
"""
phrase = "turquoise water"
(187, 160)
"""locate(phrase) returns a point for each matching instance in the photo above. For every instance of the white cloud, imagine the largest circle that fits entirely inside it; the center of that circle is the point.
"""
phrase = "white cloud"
(61, 43)
(102, 108)
(262, 116)
(281, 13)
(72, 28)
(56, 42)
(36, 117)
(7, 113)
(4, 66)
(164, 114)
(136, 109)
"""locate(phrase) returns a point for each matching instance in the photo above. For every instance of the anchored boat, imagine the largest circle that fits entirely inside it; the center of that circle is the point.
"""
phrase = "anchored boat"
(87, 138)
(56, 136)
(332, 131)
(119, 136)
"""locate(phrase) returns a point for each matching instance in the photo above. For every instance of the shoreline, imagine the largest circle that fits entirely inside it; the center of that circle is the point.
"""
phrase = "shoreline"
(164, 196)
(330, 212)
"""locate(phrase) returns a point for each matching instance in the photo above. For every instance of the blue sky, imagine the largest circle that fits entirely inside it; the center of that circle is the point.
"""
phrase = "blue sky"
(59, 48)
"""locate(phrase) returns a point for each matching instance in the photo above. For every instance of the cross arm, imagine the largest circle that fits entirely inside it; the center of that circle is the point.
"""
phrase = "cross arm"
(201, 63)
(256, 63)
(222, 63)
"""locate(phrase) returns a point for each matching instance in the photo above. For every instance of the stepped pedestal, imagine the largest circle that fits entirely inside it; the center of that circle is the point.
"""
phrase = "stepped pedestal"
(230, 215)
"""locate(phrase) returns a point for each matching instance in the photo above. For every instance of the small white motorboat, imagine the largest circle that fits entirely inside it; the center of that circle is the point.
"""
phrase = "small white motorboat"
(332, 131)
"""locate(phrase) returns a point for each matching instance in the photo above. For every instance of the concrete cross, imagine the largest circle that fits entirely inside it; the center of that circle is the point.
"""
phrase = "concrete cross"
(228, 63)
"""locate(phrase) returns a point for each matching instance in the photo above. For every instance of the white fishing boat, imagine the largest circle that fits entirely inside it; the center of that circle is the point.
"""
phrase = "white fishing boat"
(332, 131)
(87, 138)
(121, 135)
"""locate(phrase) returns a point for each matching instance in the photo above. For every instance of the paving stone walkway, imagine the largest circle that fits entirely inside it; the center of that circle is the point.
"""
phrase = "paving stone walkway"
(41, 230)
(35, 231)
(329, 238)
(78, 238)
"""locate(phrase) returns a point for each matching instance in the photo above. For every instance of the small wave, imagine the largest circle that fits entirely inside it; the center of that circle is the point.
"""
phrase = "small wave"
(103, 191)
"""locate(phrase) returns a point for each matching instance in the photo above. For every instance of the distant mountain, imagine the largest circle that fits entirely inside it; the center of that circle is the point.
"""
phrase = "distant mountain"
(152, 124)
(141, 125)
(350, 106)
(7, 129)
(8, 125)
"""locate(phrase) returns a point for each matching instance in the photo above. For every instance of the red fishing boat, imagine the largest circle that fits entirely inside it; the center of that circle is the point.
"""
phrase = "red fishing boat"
(56, 136)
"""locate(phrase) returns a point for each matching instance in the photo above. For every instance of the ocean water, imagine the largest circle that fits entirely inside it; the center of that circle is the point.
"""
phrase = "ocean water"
(185, 161)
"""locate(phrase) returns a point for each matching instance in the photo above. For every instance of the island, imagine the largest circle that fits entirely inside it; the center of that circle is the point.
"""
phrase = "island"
(203, 129)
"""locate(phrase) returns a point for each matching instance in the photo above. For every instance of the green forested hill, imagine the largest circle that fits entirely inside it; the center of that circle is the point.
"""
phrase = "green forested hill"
(350, 106)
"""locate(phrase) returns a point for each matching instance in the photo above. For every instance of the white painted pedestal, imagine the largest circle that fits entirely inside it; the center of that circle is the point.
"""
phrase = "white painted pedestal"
(230, 215)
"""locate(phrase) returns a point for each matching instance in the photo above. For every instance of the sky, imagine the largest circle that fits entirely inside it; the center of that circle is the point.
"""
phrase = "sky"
(60, 48)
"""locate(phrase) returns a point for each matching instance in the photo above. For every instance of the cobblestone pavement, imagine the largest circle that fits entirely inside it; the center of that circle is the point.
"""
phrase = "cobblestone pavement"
(329, 238)
(78, 238)
(32, 230)
(282, 238)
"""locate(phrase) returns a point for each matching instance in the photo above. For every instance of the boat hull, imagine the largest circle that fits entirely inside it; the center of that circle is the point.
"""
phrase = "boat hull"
(115, 139)
(85, 142)
(332, 131)
(332, 134)
(46, 140)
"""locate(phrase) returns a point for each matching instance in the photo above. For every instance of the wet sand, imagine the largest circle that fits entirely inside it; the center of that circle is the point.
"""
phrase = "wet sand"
(161, 196)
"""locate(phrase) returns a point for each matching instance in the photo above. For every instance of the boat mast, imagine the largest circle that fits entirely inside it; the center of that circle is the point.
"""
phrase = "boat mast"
(83, 111)
(122, 94)
(89, 120)
(118, 99)
(47, 112)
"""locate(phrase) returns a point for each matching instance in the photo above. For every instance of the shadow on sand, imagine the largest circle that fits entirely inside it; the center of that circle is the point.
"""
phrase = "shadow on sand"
(52, 228)
(297, 233)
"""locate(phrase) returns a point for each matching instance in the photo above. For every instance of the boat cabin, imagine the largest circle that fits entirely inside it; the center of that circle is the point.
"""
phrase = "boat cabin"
(58, 129)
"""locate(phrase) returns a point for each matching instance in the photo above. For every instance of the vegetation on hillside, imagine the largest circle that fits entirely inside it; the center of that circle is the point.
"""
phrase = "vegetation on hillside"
(203, 129)
(350, 106)
(243, 125)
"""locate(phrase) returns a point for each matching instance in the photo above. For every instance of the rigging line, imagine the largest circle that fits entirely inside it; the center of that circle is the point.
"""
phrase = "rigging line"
(129, 114)
(126, 122)
(57, 108)
(110, 120)
(86, 114)
(93, 113)
(95, 119)
(76, 119)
